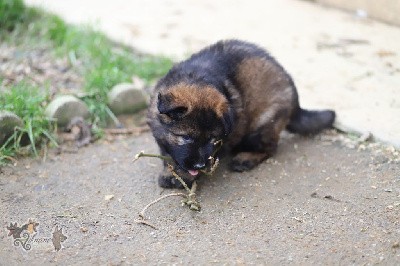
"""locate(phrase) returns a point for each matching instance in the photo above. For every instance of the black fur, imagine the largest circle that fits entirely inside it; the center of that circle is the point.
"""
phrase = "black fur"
(305, 122)
(187, 134)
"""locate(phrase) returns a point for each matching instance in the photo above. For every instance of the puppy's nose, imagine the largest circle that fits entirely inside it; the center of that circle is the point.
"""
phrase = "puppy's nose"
(199, 166)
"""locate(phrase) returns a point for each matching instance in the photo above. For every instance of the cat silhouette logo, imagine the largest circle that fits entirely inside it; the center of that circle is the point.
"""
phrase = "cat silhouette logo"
(26, 235)
(58, 237)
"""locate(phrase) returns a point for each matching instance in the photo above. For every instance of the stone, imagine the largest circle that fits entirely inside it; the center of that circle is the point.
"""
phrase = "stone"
(65, 107)
(8, 121)
(126, 98)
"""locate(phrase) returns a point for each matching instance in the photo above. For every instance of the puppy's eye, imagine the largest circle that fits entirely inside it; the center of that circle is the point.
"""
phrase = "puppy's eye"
(187, 138)
(182, 140)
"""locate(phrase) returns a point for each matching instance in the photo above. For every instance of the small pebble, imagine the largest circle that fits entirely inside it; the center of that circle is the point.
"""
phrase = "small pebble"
(108, 197)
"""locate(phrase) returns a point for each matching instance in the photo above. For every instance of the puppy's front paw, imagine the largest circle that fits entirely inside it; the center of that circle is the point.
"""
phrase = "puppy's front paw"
(167, 180)
(245, 161)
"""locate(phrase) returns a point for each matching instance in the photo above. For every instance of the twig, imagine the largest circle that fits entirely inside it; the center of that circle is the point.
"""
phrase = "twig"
(214, 161)
(126, 131)
(190, 197)
(214, 166)
(142, 154)
(191, 201)
(141, 214)
(142, 221)
(171, 169)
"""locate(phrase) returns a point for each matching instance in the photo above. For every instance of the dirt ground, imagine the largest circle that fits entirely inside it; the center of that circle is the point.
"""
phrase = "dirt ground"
(330, 199)
(321, 200)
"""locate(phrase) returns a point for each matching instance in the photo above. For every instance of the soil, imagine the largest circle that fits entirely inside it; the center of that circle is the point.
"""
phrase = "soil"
(38, 66)
(328, 199)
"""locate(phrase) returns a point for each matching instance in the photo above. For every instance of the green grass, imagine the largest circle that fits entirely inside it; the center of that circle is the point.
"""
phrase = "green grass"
(105, 63)
(12, 12)
(108, 64)
(28, 103)
(102, 63)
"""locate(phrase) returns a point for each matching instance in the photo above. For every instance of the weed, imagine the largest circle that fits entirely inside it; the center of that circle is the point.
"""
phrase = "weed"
(56, 30)
(12, 12)
(102, 63)
(28, 103)
(107, 64)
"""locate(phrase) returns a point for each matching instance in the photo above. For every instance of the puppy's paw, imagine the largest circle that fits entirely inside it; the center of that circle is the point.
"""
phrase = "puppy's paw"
(245, 161)
(167, 180)
(241, 166)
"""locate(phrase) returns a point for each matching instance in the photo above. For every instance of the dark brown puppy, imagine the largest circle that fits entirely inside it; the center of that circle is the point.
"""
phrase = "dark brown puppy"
(234, 91)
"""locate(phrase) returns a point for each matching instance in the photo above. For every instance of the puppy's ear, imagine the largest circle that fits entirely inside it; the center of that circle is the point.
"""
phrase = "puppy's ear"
(167, 106)
(227, 120)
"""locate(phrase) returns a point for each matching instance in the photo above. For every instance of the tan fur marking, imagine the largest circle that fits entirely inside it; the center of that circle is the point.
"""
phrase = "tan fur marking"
(265, 90)
(195, 97)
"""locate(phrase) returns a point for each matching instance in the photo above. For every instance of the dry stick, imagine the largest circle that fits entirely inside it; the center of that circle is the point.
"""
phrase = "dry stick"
(127, 131)
(171, 169)
(214, 161)
(141, 214)
(142, 154)
(142, 220)
(190, 198)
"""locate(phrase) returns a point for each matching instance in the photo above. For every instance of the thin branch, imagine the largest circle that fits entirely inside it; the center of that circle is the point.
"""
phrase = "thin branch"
(142, 154)
(141, 214)
(142, 221)
(126, 131)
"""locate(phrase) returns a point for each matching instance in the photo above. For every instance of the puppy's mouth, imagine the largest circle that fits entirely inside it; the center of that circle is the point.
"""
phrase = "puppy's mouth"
(193, 172)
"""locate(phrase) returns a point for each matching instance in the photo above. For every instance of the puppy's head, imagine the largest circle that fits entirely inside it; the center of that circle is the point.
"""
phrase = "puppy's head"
(194, 117)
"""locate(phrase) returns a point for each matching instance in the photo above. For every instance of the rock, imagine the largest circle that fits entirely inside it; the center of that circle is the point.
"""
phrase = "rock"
(8, 121)
(125, 98)
(66, 107)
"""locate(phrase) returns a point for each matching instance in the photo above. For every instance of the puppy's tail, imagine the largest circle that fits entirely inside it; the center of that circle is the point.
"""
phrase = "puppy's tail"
(305, 122)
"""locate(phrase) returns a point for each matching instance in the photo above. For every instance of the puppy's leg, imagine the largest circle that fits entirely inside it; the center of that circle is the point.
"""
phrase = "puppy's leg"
(167, 180)
(259, 145)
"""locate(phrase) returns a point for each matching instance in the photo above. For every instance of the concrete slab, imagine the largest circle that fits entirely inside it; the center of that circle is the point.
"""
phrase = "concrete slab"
(338, 61)
(8, 122)
(65, 107)
(126, 98)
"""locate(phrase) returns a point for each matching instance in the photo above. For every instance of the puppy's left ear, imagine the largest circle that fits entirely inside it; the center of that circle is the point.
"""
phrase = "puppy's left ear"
(166, 106)
(227, 120)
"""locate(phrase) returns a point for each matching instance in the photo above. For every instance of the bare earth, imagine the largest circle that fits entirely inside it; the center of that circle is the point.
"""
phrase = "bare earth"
(320, 200)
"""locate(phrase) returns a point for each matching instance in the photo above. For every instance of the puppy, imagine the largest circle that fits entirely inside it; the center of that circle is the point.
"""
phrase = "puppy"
(232, 91)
